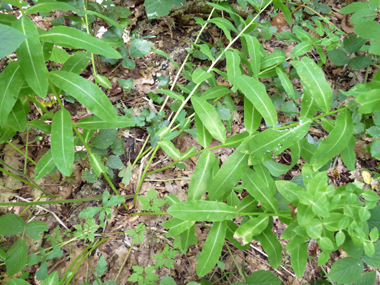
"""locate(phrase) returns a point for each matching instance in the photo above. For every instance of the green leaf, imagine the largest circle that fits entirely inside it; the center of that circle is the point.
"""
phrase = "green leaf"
(30, 57)
(348, 155)
(76, 62)
(313, 79)
(202, 211)
(255, 91)
(199, 75)
(34, 228)
(204, 136)
(368, 30)
(360, 62)
(47, 6)
(374, 260)
(17, 281)
(353, 43)
(45, 165)
(176, 226)
(114, 162)
(289, 190)
(304, 214)
(368, 278)
(286, 83)
(252, 117)
(262, 277)
(272, 59)
(7, 19)
(107, 19)
(335, 142)
(353, 7)
(346, 270)
(18, 118)
(74, 38)
(301, 49)
(140, 48)
(254, 47)
(10, 40)
(259, 190)
(338, 57)
(17, 257)
(118, 147)
(370, 101)
(210, 118)
(252, 227)
(167, 280)
(215, 92)
(233, 68)
(103, 81)
(62, 142)
(97, 164)
(228, 175)
(11, 81)
(94, 123)
(156, 9)
(171, 94)
(201, 176)
(86, 92)
(101, 266)
(169, 148)
(212, 248)
(11, 224)
(59, 55)
(299, 259)
(89, 212)
(272, 247)
(188, 238)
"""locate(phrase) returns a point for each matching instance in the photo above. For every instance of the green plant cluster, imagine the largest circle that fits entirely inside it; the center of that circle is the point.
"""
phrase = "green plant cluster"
(346, 216)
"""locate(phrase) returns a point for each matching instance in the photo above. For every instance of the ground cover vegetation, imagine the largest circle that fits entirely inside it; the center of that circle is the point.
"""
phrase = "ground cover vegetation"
(289, 135)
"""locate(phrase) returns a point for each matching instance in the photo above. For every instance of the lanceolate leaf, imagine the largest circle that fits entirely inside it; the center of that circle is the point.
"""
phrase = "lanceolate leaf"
(210, 118)
(201, 176)
(265, 174)
(228, 175)
(94, 123)
(177, 226)
(76, 62)
(255, 91)
(86, 93)
(202, 211)
(97, 164)
(212, 248)
(169, 148)
(253, 226)
(289, 190)
(30, 57)
(44, 165)
(18, 118)
(313, 79)
(73, 38)
(299, 259)
(301, 49)
(233, 68)
(199, 75)
(272, 247)
(348, 155)
(215, 92)
(171, 94)
(336, 141)
(254, 53)
(10, 38)
(257, 188)
(309, 105)
(370, 101)
(47, 6)
(286, 83)
(252, 117)
(62, 142)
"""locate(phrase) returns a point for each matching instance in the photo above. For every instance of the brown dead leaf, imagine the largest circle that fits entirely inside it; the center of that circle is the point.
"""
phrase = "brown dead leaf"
(280, 23)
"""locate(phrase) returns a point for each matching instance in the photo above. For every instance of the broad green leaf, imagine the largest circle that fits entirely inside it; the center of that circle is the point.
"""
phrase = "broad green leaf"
(252, 117)
(353, 7)
(176, 226)
(156, 9)
(188, 238)
(335, 142)
(94, 123)
(169, 148)
(74, 38)
(286, 83)
(276, 169)
(107, 19)
(204, 136)
(18, 118)
(252, 227)
(346, 270)
(262, 277)
(370, 101)
(259, 190)
(76, 62)
(265, 174)
(338, 57)
(255, 91)
(10, 39)
(304, 214)
(45, 165)
(314, 81)
(103, 81)
(47, 6)
(16, 281)
(233, 68)
(254, 53)
(7, 19)
(52, 279)
(301, 49)
(97, 164)
(89, 212)
(17, 257)
(86, 92)
(224, 25)
(348, 155)
(299, 259)
(289, 190)
(201, 176)
(368, 278)
(273, 58)
(34, 228)
(228, 175)
(261, 145)
(309, 105)
(215, 92)
(59, 55)
(6, 133)
(212, 248)
(374, 260)
(202, 211)
(231, 229)
(114, 162)
(30, 57)
(272, 247)
(140, 48)
(62, 142)
(368, 30)
(11, 224)
(210, 118)
(199, 75)
(171, 94)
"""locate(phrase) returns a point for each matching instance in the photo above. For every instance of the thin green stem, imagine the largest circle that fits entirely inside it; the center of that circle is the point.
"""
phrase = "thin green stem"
(88, 32)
